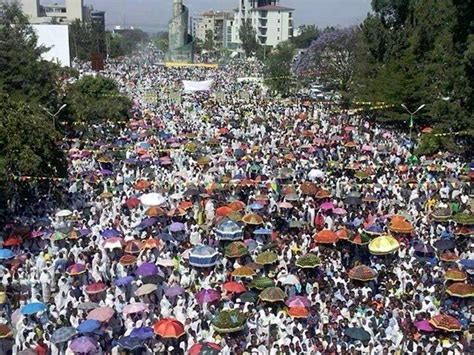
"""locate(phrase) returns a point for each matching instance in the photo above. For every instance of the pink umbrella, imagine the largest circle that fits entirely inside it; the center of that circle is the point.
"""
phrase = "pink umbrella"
(424, 325)
(102, 314)
(339, 211)
(298, 301)
(135, 308)
(207, 296)
(114, 243)
(327, 206)
(284, 205)
(366, 148)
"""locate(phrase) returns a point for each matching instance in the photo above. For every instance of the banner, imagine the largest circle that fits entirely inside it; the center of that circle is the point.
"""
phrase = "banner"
(193, 86)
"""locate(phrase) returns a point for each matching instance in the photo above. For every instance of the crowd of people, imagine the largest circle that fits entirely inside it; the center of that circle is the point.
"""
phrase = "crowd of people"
(231, 222)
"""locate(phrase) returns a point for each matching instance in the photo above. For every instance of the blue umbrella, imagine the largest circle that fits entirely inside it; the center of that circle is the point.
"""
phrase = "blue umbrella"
(467, 263)
(63, 334)
(256, 206)
(143, 333)
(6, 254)
(32, 308)
(122, 281)
(166, 237)
(88, 326)
(176, 227)
(130, 343)
(203, 256)
(262, 231)
(227, 229)
(110, 233)
(147, 222)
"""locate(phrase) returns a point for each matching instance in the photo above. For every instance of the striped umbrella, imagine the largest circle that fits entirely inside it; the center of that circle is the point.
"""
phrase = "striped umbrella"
(362, 273)
(203, 256)
(227, 229)
(63, 335)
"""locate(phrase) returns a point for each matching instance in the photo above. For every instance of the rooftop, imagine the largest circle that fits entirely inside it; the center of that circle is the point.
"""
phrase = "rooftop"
(273, 8)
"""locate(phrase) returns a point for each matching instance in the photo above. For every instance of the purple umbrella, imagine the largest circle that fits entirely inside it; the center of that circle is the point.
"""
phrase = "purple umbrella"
(176, 227)
(207, 296)
(148, 222)
(122, 281)
(424, 325)
(174, 291)
(143, 333)
(84, 232)
(84, 345)
(105, 172)
(147, 269)
(422, 248)
(110, 233)
(339, 211)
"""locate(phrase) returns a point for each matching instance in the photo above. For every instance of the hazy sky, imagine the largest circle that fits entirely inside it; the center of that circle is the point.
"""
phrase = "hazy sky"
(157, 12)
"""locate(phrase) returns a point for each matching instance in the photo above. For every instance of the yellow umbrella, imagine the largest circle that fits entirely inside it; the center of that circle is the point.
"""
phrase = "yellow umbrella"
(253, 219)
(383, 245)
(244, 271)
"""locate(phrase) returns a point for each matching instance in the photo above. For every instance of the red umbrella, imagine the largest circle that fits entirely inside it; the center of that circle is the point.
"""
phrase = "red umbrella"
(298, 312)
(234, 287)
(169, 328)
(223, 211)
(132, 202)
(13, 241)
(96, 287)
(326, 236)
(446, 322)
(128, 260)
(204, 348)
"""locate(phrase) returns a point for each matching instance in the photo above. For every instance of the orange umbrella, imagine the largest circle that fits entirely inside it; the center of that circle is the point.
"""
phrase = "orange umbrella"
(326, 236)
(128, 260)
(323, 194)
(234, 287)
(298, 312)
(244, 271)
(362, 273)
(185, 205)
(236, 206)
(151, 243)
(400, 226)
(155, 212)
(460, 289)
(253, 219)
(142, 185)
(224, 211)
(176, 212)
(446, 322)
(455, 275)
(449, 256)
(169, 328)
(133, 247)
(342, 233)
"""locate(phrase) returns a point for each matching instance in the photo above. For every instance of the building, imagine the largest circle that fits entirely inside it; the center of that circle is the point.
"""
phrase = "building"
(273, 23)
(65, 13)
(180, 41)
(98, 19)
(216, 21)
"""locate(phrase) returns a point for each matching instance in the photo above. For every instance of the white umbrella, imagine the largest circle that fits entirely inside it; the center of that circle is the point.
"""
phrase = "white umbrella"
(63, 213)
(316, 174)
(289, 280)
(152, 199)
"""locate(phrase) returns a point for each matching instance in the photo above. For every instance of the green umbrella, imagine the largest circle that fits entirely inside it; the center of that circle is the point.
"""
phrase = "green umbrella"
(272, 294)
(229, 321)
(266, 258)
(464, 218)
(308, 261)
(262, 282)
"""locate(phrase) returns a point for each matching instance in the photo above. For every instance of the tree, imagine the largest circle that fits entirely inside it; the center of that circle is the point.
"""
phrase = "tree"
(278, 75)
(248, 37)
(86, 38)
(332, 58)
(307, 34)
(161, 41)
(23, 72)
(209, 44)
(93, 100)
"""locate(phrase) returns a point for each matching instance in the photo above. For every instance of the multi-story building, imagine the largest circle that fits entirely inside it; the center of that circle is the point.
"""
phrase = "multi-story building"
(215, 21)
(273, 23)
(65, 13)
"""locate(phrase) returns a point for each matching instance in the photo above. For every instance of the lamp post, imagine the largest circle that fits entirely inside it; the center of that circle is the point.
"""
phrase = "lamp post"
(53, 116)
(412, 114)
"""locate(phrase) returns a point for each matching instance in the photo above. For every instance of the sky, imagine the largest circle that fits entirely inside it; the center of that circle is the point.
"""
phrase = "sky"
(155, 13)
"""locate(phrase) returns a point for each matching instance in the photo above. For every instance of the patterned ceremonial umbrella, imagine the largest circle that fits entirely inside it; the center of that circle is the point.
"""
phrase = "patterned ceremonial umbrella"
(133, 247)
(400, 226)
(272, 294)
(461, 290)
(308, 261)
(234, 287)
(362, 273)
(63, 335)
(155, 212)
(207, 296)
(326, 236)
(298, 312)
(128, 260)
(298, 301)
(205, 348)
(252, 219)
(84, 345)
(227, 229)
(266, 258)
(203, 256)
(309, 188)
(449, 256)
(455, 275)
(76, 269)
(244, 271)
(236, 250)
(359, 239)
(169, 328)
(446, 322)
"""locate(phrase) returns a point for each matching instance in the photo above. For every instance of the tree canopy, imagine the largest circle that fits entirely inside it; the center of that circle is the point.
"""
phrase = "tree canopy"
(278, 74)
(248, 37)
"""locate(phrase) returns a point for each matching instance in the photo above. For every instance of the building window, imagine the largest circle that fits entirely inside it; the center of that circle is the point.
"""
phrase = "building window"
(278, 29)
(278, 38)
(278, 20)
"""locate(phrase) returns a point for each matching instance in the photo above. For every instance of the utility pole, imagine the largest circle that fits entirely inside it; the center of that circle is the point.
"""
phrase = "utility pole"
(412, 114)
(53, 116)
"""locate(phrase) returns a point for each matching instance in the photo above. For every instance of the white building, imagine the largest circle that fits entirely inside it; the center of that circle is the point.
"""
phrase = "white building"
(65, 13)
(273, 23)
(215, 21)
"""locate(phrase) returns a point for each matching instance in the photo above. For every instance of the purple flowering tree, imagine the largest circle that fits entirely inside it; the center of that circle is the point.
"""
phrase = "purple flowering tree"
(332, 57)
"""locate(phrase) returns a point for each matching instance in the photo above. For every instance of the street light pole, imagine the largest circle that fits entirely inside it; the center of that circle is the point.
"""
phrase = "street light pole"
(412, 114)
(53, 116)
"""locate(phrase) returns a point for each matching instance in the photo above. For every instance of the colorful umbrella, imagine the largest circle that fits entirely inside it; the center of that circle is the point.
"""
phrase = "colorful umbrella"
(146, 289)
(244, 271)
(113, 243)
(374, 230)
(400, 226)
(110, 233)
(266, 258)
(137, 307)
(5, 331)
(63, 335)
(308, 261)
(169, 328)
(446, 322)
(383, 245)
(362, 273)
(96, 287)
(6, 254)
(322, 194)
(424, 325)
(234, 287)
(125, 280)
(143, 333)
(151, 243)
(326, 236)
(309, 188)
(252, 219)
(130, 343)
(228, 321)
(449, 256)
(461, 290)
(174, 291)
(203, 256)
(102, 314)
(147, 269)
(84, 345)
(128, 260)
(227, 229)
(298, 312)
(155, 212)
(359, 239)
(236, 249)
(298, 301)
(207, 296)
(205, 348)
(133, 247)
(455, 275)
(76, 269)
(272, 294)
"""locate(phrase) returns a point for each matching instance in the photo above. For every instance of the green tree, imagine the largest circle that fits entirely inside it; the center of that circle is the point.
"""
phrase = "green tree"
(86, 38)
(278, 75)
(308, 33)
(209, 44)
(248, 37)
(93, 100)
(23, 73)
(161, 41)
